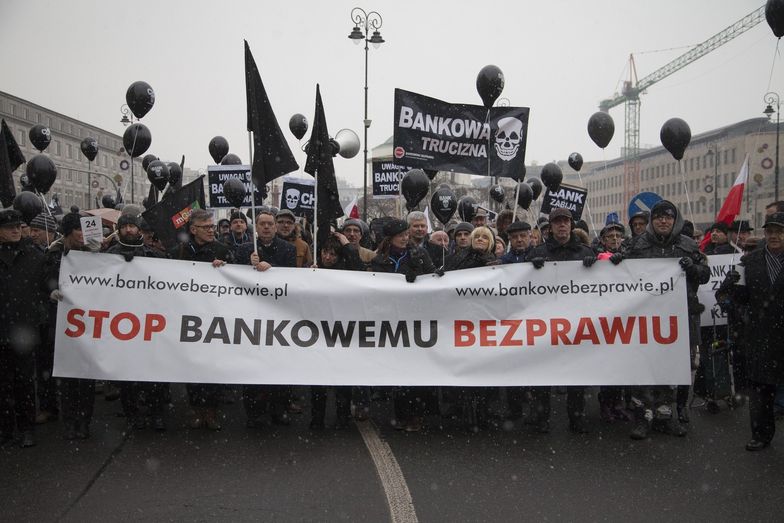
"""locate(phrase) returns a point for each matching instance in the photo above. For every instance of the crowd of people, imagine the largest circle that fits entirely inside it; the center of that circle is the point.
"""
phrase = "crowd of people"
(31, 254)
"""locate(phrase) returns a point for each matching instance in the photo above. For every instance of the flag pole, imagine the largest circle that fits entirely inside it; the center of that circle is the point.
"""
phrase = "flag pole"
(517, 195)
(252, 194)
(315, 217)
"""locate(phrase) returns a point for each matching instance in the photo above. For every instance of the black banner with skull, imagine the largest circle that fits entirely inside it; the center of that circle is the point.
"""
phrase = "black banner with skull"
(568, 197)
(386, 179)
(217, 176)
(298, 196)
(432, 134)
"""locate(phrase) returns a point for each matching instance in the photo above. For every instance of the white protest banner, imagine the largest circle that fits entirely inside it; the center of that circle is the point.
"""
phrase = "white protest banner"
(720, 265)
(564, 324)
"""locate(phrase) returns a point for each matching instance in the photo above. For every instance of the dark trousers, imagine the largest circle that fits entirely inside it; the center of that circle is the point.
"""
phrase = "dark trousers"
(761, 405)
(575, 402)
(136, 394)
(318, 403)
(78, 400)
(17, 390)
(259, 400)
(409, 402)
(515, 400)
(204, 395)
(46, 383)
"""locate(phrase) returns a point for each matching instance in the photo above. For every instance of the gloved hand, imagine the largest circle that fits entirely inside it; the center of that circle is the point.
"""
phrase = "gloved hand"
(56, 295)
(616, 258)
(440, 271)
(538, 262)
(686, 262)
(128, 256)
(589, 261)
(411, 277)
(733, 277)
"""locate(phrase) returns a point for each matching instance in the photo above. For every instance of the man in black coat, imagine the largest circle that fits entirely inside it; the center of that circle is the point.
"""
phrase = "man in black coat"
(271, 251)
(663, 239)
(763, 293)
(561, 245)
(21, 274)
(719, 240)
(202, 247)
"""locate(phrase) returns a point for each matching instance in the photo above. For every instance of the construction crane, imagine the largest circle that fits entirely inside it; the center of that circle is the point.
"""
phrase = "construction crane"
(633, 88)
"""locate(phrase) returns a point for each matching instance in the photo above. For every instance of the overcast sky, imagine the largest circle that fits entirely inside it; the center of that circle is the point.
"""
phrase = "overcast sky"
(559, 57)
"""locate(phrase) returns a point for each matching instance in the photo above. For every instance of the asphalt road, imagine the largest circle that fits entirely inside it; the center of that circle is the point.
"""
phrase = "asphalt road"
(451, 474)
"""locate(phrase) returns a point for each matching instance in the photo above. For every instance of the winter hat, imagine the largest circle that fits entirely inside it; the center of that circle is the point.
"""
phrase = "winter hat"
(560, 212)
(395, 227)
(741, 226)
(10, 217)
(613, 226)
(580, 224)
(464, 227)
(777, 218)
(353, 221)
(518, 226)
(127, 219)
(640, 214)
(237, 215)
(222, 222)
(44, 222)
(71, 221)
(285, 213)
(664, 208)
(718, 226)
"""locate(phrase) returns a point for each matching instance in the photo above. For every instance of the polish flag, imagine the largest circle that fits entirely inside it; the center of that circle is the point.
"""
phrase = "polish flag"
(730, 209)
(352, 210)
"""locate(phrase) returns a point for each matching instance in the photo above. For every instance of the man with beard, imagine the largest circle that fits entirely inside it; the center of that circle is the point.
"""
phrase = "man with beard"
(719, 242)
(130, 244)
(663, 239)
(43, 231)
(237, 233)
(21, 274)
(273, 251)
(202, 247)
(561, 245)
(353, 230)
(286, 227)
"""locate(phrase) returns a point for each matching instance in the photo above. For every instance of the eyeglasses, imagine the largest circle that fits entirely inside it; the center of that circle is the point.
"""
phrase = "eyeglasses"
(204, 227)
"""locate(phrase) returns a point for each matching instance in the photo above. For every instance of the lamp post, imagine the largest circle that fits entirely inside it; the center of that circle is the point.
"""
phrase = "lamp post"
(770, 99)
(367, 21)
(126, 120)
(714, 153)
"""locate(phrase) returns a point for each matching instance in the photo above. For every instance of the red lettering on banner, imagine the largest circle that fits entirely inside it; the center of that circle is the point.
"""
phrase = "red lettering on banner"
(74, 318)
(559, 328)
(586, 331)
(153, 323)
(98, 317)
(617, 329)
(642, 325)
(114, 326)
(487, 333)
(657, 333)
(534, 329)
(464, 336)
(512, 325)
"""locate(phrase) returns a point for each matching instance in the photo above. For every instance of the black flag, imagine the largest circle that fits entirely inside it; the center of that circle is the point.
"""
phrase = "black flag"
(169, 218)
(320, 165)
(272, 157)
(11, 157)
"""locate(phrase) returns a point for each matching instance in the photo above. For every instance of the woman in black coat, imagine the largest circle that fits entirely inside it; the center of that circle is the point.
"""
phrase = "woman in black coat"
(763, 296)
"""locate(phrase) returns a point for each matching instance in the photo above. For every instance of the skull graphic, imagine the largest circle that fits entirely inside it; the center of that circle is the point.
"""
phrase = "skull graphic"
(508, 138)
(292, 198)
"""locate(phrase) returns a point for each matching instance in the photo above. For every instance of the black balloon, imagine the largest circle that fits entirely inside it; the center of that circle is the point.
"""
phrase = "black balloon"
(414, 187)
(525, 195)
(29, 204)
(231, 159)
(536, 186)
(175, 175)
(107, 201)
(137, 139)
(298, 125)
(431, 173)
(158, 174)
(89, 147)
(234, 191)
(443, 203)
(490, 84)
(576, 161)
(497, 193)
(466, 208)
(552, 176)
(774, 14)
(601, 128)
(675, 137)
(219, 147)
(140, 98)
(518, 177)
(41, 172)
(40, 136)
(147, 159)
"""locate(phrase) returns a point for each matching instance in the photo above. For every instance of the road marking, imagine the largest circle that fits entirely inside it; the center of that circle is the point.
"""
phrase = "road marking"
(401, 506)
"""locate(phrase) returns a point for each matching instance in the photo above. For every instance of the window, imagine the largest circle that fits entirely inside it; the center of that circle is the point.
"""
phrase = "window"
(68, 175)
(57, 148)
(78, 177)
(21, 140)
(68, 151)
(726, 156)
(733, 155)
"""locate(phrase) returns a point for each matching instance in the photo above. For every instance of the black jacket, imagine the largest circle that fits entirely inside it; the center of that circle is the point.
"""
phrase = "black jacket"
(514, 256)
(724, 248)
(551, 250)
(468, 259)
(764, 318)
(348, 259)
(208, 252)
(279, 253)
(22, 306)
(414, 262)
(130, 251)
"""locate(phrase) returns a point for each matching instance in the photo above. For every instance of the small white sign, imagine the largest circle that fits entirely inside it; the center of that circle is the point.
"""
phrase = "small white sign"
(92, 229)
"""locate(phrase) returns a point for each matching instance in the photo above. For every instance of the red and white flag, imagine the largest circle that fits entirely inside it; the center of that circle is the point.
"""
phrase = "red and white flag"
(730, 209)
(352, 209)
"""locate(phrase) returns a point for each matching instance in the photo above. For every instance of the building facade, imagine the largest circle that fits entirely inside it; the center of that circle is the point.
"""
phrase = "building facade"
(110, 170)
